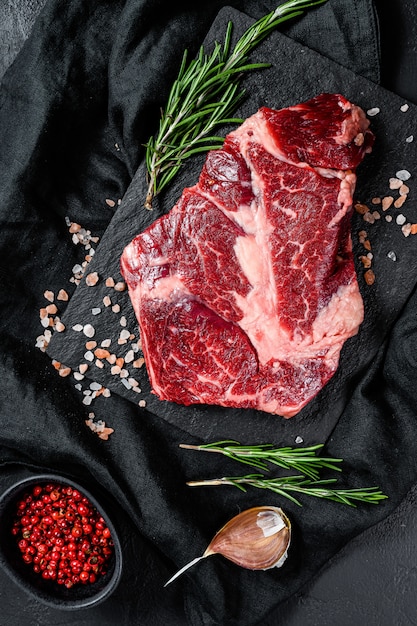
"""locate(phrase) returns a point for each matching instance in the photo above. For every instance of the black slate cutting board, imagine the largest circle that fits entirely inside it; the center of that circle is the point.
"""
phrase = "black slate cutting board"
(296, 74)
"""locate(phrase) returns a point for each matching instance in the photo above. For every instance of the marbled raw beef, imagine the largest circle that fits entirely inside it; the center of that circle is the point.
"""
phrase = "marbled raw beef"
(245, 292)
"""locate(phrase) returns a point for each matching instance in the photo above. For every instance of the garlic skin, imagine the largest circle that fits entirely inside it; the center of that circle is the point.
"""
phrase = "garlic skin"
(256, 539)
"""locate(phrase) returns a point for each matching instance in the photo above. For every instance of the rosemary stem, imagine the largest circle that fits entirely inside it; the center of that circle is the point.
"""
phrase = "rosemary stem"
(206, 91)
(286, 486)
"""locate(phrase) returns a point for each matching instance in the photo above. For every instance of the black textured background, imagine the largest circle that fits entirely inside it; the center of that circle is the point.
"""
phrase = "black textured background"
(371, 581)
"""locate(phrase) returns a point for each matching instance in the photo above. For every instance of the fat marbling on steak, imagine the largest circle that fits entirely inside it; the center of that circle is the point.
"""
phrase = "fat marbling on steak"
(246, 291)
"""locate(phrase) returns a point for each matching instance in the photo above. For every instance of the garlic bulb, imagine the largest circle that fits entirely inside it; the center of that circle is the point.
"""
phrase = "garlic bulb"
(257, 539)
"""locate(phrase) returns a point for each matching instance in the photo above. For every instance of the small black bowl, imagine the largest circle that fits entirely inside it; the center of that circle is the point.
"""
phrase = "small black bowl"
(80, 596)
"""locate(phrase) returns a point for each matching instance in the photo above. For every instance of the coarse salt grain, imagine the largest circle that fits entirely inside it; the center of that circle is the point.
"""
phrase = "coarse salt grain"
(106, 301)
(74, 227)
(41, 343)
(129, 357)
(365, 261)
(96, 311)
(110, 203)
(126, 383)
(90, 345)
(101, 353)
(106, 343)
(62, 295)
(49, 295)
(404, 108)
(91, 279)
(369, 218)
(78, 376)
(89, 330)
(387, 202)
(406, 229)
(388, 218)
(403, 175)
(299, 439)
(83, 367)
(373, 111)
(361, 208)
(142, 403)
(410, 138)
(120, 286)
(124, 373)
(78, 328)
(109, 282)
(115, 370)
(123, 321)
(124, 334)
(391, 255)
(59, 327)
(369, 277)
(395, 183)
(400, 219)
(400, 201)
(116, 308)
(89, 356)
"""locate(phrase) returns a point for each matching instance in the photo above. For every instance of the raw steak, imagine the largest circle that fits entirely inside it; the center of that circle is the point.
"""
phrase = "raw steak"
(246, 291)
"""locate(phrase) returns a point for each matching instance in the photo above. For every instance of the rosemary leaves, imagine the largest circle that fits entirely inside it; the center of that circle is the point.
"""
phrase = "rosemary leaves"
(288, 485)
(305, 460)
(204, 96)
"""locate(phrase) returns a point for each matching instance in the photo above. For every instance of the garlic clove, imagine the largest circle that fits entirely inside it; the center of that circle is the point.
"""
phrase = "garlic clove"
(256, 539)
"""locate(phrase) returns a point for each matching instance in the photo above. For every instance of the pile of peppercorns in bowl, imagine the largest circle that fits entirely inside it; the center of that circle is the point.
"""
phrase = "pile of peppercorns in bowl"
(58, 542)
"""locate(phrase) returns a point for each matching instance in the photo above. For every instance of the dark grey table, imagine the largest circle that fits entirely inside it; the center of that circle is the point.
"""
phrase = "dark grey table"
(371, 582)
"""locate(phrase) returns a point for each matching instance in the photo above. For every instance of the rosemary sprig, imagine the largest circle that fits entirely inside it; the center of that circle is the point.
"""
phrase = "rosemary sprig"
(287, 485)
(204, 96)
(304, 460)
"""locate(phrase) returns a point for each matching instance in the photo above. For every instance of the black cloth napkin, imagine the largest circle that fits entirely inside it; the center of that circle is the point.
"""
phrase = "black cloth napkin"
(75, 109)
